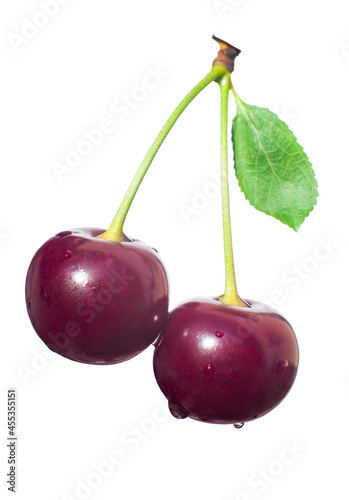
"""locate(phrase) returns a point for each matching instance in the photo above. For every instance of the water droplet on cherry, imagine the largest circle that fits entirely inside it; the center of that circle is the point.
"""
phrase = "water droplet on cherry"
(281, 365)
(219, 334)
(239, 425)
(67, 254)
(209, 370)
(178, 410)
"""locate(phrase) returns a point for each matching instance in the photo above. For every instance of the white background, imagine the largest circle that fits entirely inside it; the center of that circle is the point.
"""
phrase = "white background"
(65, 79)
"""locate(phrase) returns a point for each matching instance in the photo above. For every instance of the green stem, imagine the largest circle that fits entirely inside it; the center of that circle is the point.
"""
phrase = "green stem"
(115, 231)
(230, 295)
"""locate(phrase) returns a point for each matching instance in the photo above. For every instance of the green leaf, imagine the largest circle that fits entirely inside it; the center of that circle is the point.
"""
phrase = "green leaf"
(272, 169)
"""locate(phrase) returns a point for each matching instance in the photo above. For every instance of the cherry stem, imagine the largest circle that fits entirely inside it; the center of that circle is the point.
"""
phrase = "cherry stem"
(230, 295)
(115, 231)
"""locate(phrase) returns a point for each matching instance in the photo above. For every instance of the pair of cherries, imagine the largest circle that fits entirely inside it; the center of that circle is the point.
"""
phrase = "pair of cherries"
(103, 302)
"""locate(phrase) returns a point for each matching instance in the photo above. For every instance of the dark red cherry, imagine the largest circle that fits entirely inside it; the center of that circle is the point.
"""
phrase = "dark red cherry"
(225, 364)
(96, 301)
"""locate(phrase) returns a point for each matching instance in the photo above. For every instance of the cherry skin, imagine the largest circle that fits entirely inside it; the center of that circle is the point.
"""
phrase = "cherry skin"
(96, 301)
(225, 364)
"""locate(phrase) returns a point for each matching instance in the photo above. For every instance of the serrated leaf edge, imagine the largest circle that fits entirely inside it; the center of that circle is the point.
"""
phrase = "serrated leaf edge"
(243, 107)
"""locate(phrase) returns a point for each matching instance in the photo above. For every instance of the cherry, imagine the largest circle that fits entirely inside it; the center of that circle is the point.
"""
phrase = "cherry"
(225, 364)
(96, 301)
